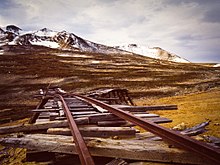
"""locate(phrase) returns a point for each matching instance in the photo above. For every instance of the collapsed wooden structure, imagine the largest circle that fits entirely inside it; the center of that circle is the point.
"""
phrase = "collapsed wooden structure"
(112, 96)
(104, 133)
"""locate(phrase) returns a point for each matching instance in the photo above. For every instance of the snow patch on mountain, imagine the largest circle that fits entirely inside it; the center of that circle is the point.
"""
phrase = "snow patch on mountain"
(13, 35)
(60, 40)
(155, 52)
(216, 65)
(10, 29)
(1, 51)
(49, 44)
(46, 32)
(95, 62)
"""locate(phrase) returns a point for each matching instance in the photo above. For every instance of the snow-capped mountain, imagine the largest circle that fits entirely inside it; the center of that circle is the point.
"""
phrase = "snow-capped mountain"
(8, 33)
(53, 39)
(13, 35)
(155, 52)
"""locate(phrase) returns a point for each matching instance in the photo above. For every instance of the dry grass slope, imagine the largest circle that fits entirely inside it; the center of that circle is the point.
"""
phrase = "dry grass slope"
(24, 72)
(192, 109)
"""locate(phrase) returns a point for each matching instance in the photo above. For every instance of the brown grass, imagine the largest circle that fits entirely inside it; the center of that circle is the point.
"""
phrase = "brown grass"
(24, 71)
(192, 109)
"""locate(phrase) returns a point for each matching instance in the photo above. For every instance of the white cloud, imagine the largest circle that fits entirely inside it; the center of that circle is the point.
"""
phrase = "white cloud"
(189, 28)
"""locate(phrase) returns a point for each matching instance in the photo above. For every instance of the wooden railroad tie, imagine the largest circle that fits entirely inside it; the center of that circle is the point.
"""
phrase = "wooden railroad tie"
(104, 133)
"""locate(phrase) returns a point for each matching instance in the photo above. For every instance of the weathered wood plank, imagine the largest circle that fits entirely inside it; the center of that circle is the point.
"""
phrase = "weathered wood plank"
(196, 130)
(121, 122)
(110, 117)
(146, 108)
(96, 131)
(112, 123)
(60, 118)
(39, 126)
(74, 101)
(70, 99)
(84, 113)
(98, 108)
(53, 115)
(79, 106)
(159, 120)
(103, 117)
(91, 115)
(54, 124)
(42, 120)
(44, 116)
(146, 115)
(135, 149)
(81, 109)
(45, 110)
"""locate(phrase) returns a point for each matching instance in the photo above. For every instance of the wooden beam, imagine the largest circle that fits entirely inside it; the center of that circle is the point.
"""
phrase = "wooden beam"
(45, 110)
(112, 123)
(159, 120)
(39, 126)
(140, 148)
(145, 108)
(80, 106)
(53, 115)
(146, 115)
(103, 117)
(79, 121)
(82, 109)
(83, 113)
(96, 131)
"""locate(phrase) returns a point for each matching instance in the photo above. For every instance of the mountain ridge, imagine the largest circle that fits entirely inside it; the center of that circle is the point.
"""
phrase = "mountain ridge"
(154, 52)
(13, 35)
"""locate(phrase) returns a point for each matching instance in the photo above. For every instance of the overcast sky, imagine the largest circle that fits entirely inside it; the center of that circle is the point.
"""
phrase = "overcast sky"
(189, 28)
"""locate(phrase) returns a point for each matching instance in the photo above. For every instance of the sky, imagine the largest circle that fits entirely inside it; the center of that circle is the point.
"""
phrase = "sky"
(188, 28)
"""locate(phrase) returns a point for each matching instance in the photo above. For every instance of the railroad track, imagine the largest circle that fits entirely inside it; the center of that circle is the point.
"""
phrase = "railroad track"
(58, 105)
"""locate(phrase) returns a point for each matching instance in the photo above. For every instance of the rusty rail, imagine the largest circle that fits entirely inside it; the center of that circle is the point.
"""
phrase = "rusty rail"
(84, 154)
(168, 135)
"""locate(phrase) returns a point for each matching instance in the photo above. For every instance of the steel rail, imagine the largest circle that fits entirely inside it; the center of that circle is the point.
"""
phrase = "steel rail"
(172, 137)
(84, 154)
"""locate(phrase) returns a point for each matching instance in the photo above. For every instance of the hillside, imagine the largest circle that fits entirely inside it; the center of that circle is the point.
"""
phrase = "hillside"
(24, 71)
(155, 52)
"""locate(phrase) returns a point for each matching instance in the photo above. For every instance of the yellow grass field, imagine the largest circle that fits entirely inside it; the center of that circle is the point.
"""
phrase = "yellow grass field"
(192, 109)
